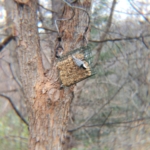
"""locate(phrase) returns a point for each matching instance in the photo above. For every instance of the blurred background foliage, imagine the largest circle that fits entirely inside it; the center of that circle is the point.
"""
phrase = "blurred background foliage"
(111, 110)
(13, 133)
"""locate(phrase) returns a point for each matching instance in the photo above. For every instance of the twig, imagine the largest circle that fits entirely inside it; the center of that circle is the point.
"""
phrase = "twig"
(115, 123)
(5, 41)
(7, 91)
(119, 39)
(104, 122)
(47, 9)
(15, 109)
(103, 38)
(83, 124)
(47, 28)
(138, 11)
(144, 42)
(99, 47)
(15, 78)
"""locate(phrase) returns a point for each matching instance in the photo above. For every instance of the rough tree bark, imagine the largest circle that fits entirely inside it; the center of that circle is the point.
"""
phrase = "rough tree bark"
(48, 105)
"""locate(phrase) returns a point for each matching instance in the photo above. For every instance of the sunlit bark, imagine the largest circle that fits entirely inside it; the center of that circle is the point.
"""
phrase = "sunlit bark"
(48, 105)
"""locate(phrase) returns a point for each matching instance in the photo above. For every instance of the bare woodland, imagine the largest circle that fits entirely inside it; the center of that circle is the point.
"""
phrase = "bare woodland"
(109, 109)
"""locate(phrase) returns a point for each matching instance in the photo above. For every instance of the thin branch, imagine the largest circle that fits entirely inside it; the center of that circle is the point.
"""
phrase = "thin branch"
(7, 91)
(119, 39)
(110, 124)
(5, 41)
(41, 18)
(127, 13)
(15, 78)
(52, 11)
(15, 109)
(121, 122)
(11, 136)
(47, 28)
(83, 124)
(146, 19)
(145, 43)
(104, 122)
(12, 72)
(99, 47)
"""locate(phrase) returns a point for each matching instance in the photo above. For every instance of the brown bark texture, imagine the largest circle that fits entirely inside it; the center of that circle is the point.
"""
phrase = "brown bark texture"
(48, 105)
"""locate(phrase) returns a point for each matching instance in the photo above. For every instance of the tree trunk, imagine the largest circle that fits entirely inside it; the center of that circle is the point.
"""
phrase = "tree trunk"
(48, 105)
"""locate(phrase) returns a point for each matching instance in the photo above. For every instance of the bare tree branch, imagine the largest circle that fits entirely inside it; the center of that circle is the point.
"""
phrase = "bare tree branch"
(7, 91)
(52, 11)
(120, 39)
(47, 28)
(146, 19)
(83, 124)
(15, 109)
(5, 41)
(99, 47)
(115, 123)
(15, 78)
(104, 122)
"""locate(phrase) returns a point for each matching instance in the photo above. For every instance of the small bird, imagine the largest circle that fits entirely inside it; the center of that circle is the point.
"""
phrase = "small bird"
(59, 51)
(79, 62)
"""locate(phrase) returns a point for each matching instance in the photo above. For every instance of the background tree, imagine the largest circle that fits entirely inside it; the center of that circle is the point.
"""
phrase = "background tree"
(48, 105)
